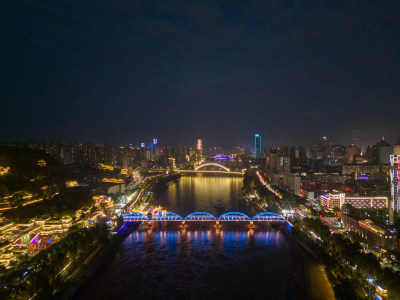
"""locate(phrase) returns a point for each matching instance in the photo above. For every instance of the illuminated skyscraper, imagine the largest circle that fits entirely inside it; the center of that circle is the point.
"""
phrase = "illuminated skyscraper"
(155, 142)
(200, 146)
(394, 179)
(257, 143)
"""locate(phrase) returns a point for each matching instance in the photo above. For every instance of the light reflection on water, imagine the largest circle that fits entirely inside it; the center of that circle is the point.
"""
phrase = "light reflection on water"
(206, 263)
(213, 194)
(196, 264)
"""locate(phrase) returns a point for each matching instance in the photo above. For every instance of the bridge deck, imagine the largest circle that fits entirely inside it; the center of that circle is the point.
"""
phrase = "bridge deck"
(204, 217)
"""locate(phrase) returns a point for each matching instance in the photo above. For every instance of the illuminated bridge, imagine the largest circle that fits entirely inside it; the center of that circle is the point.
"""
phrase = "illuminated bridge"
(222, 169)
(205, 217)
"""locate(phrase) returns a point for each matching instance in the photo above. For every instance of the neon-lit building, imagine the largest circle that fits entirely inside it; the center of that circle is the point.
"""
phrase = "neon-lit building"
(376, 235)
(155, 142)
(257, 145)
(338, 200)
(394, 181)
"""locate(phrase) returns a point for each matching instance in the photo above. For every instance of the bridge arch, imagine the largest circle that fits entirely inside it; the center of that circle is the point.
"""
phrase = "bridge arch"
(211, 164)
(200, 216)
(234, 216)
(134, 217)
(169, 216)
(268, 216)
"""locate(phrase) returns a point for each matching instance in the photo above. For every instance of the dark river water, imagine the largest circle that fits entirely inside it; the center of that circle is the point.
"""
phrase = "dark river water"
(198, 263)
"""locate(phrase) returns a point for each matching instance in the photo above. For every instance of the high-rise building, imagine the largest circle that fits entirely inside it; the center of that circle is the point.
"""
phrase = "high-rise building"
(155, 142)
(325, 141)
(75, 152)
(283, 151)
(352, 151)
(55, 148)
(200, 146)
(394, 181)
(257, 144)
(89, 154)
(66, 155)
(356, 139)
(109, 155)
(292, 157)
(126, 158)
(302, 155)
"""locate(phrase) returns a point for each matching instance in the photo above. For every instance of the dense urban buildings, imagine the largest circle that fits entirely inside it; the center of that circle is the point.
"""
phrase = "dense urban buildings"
(338, 184)
(200, 150)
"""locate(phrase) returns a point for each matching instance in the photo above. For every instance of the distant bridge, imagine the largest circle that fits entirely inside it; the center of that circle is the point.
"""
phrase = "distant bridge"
(198, 169)
(211, 164)
(205, 217)
(221, 156)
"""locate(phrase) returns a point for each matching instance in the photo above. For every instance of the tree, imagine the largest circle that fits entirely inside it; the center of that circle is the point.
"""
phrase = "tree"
(348, 289)
(249, 181)
(4, 190)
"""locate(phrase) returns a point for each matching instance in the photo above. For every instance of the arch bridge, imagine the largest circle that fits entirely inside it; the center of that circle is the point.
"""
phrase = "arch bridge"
(211, 164)
(205, 217)
(222, 169)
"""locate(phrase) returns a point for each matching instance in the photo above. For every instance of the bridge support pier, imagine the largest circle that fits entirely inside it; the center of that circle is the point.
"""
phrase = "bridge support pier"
(251, 224)
(183, 224)
(149, 224)
(217, 224)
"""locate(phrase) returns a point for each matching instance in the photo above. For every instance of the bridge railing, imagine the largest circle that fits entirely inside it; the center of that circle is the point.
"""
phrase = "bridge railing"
(204, 216)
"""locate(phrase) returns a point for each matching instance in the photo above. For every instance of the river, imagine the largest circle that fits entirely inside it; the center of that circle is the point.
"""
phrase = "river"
(213, 194)
(198, 263)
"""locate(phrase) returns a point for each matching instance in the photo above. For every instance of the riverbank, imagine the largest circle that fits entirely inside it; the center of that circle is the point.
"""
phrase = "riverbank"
(101, 257)
(310, 279)
(95, 262)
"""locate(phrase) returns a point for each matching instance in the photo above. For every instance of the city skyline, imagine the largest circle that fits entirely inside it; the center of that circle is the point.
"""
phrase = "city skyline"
(292, 72)
(193, 144)
(185, 149)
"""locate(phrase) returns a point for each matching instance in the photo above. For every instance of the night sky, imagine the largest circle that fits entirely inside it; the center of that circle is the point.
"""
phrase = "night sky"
(125, 71)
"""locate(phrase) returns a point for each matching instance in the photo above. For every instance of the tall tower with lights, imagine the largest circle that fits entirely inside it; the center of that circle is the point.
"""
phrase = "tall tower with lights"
(257, 144)
(155, 142)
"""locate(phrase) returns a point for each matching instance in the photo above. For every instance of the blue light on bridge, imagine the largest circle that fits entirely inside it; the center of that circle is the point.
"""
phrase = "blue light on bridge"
(234, 216)
(200, 216)
(204, 216)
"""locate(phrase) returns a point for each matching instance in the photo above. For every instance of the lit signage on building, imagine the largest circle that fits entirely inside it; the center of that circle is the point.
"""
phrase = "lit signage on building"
(361, 176)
